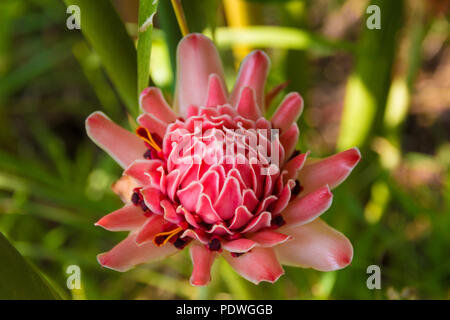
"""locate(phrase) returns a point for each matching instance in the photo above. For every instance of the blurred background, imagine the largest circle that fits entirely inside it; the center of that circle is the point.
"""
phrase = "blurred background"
(386, 91)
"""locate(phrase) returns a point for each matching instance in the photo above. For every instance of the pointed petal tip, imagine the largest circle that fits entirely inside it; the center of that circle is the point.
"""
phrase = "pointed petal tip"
(94, 119)
(260, 56)
(99, 223)
(288, 111)
(316, 245)
(102, 259)
(252, 72)
(122, 145)
(193, 40)
(274, 277)
(247, 95)
(326, 192)
(217, 92)
(139, 118)
(326, 196)
(197, 59)
(306, 209)
(195, 36)
(247, 105)
(257, 59)
(202, 261)
(295, 95)
(198, 283)
(332, 170)
(271, 278)
(102, 224)
(353, 156)
(341, 259)
(297, 99)
(152, 102)
(292, 131)
(345, 259)
(106, 224)
(145, 92)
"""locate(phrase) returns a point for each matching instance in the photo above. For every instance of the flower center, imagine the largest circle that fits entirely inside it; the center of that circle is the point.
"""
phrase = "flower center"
(219, 178)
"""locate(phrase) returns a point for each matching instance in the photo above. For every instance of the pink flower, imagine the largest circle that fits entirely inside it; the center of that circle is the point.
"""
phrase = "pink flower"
(184, 186)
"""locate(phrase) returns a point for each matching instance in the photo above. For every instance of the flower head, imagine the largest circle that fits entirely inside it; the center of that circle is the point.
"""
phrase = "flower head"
(218, 178)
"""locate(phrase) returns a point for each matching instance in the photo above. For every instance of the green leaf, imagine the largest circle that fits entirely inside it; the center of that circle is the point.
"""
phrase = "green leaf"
(19, 280)
(169, 25)
(277, 37)
(91, 65)
(368, 85)
(147, 11)
(106, 33)
(37, 65)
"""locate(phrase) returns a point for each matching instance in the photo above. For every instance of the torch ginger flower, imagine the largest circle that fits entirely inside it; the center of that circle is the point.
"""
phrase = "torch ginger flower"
(183, 189)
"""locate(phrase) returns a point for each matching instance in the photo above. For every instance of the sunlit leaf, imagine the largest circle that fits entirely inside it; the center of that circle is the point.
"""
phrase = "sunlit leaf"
(368, 86)
(19, 280)
(106, 33)
(277, 37)
(147, 11)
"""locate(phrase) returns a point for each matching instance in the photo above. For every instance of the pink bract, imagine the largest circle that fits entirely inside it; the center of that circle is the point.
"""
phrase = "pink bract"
(182, 189)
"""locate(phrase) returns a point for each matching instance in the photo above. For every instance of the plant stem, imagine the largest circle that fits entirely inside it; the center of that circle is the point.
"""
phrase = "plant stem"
(181, 18)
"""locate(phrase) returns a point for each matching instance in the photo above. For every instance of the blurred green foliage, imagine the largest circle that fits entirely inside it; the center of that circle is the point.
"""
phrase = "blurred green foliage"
(54, 183)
